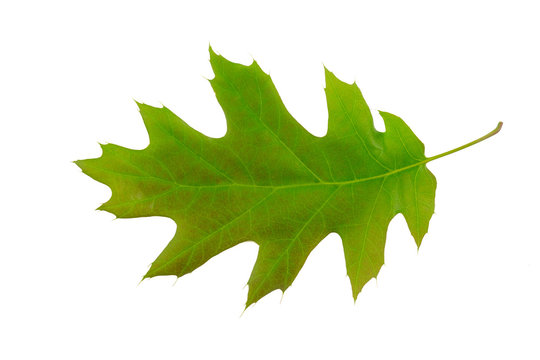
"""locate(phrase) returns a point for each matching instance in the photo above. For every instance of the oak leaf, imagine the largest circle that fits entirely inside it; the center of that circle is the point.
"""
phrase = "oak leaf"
(270, 181)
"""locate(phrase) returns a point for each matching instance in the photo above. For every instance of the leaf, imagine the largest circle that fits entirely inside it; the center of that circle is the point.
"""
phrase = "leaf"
(270, 181)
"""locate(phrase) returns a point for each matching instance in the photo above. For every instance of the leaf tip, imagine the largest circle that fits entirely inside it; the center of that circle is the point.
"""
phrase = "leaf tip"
(102, 207)
(248, 303)
(328, 77)
(140, 105)
(213, 54)
(148, 274)
(327, 73)
(355, 295)
(254, 64)
(140, 282)
(82, 164)
(246, 306)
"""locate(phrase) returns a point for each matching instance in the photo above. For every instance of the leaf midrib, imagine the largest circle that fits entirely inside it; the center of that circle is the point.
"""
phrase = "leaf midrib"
(300, 185)
(274, 187)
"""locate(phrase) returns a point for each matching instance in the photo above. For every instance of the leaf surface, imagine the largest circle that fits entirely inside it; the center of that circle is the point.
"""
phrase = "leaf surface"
(270, 181)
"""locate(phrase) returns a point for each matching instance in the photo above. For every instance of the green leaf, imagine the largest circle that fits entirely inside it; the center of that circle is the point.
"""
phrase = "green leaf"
(270, 181)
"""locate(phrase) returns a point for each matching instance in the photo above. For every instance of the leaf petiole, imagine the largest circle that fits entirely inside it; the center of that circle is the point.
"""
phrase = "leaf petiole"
(487, 136)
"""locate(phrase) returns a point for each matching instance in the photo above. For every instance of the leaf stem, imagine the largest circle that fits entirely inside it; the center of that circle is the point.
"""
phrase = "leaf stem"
(487, 136)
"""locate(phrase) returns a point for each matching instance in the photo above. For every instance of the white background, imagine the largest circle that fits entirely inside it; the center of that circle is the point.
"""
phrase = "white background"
(69, 72)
